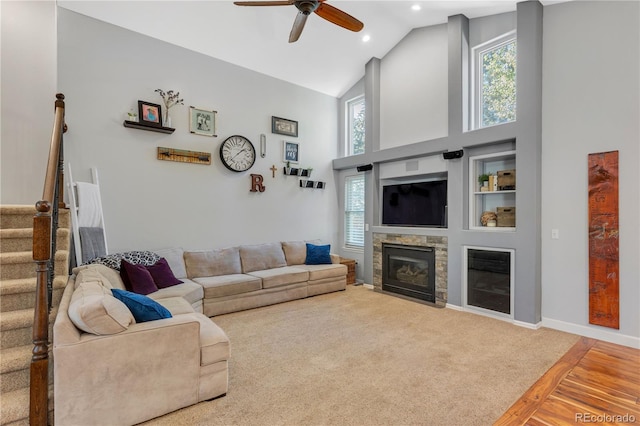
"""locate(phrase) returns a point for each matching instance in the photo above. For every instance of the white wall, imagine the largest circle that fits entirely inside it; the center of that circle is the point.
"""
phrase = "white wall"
(28, 93)
(104, 70)
(590, 104)
(413, 88)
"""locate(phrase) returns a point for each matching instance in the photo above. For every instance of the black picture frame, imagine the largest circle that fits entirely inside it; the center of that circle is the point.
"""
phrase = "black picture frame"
(290, 152)
(284, 126)
(150, 114)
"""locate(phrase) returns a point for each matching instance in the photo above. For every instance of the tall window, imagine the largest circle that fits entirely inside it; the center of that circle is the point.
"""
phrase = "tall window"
(355, 126)
(495, 81)
(354, 211)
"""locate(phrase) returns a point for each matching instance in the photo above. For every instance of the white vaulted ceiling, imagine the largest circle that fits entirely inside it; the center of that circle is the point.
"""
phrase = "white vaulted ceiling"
(326, 58)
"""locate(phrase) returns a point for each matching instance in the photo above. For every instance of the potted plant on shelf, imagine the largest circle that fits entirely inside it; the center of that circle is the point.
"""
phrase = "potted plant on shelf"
(483, 180)
(132, 116)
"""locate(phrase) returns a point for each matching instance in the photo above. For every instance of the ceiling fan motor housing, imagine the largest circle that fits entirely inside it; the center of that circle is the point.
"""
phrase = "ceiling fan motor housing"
(307, 6)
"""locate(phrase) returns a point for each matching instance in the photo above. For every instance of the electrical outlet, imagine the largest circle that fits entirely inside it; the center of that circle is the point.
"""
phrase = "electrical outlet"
(555, 234)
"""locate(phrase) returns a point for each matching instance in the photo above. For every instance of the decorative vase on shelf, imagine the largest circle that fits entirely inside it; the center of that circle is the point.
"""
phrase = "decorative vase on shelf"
(166, 122)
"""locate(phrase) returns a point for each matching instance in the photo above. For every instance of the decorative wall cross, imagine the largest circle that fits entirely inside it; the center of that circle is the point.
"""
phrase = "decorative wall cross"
(273, 169)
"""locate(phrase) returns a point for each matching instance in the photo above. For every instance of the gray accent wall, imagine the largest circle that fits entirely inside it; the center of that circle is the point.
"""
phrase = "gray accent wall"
(578, 93)
(104, 70)
(414, 106)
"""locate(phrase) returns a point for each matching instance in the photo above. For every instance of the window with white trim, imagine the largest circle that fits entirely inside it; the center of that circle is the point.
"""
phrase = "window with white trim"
(494, 81)
(355, 126)
(354, 211)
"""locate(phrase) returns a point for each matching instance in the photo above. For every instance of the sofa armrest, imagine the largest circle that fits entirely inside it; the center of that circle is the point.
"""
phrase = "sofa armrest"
(148, 370)
(335, 258)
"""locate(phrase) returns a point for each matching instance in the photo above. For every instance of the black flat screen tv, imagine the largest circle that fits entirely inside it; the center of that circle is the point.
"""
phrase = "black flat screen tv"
(415, 204)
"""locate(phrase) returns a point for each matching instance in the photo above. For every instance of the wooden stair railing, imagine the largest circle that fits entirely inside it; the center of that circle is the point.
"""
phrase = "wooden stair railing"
(45, 225)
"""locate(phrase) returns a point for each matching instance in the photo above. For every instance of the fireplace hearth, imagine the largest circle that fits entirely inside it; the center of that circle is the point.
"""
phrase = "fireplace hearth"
(437, 243)
(409, 271)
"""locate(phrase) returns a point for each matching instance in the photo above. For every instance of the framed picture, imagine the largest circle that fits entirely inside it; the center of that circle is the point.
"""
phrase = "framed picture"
(202, 121)
(290, 152)
(150, 114)
(282, 126)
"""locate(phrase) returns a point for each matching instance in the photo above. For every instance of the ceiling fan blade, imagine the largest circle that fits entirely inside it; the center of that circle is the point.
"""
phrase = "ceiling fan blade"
(338, 17)
(264, 3)
(298, 26)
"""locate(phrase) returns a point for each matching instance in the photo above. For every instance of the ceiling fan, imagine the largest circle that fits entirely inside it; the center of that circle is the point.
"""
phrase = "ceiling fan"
(305, 7)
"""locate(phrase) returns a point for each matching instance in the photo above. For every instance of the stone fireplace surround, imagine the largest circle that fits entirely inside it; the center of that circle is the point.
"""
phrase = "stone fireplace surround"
(438, 243)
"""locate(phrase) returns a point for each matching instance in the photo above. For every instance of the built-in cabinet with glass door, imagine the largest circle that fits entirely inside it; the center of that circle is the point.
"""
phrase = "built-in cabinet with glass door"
(492, 191)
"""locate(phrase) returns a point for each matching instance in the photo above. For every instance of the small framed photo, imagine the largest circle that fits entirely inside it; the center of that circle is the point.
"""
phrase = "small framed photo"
(290, 152)
(202, 121)
(150, 114)
(282, 126)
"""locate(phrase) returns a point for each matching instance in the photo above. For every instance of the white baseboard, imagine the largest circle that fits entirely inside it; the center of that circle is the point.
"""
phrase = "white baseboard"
(369, 286)
(512, 321)
(527, 324)
(594, 333)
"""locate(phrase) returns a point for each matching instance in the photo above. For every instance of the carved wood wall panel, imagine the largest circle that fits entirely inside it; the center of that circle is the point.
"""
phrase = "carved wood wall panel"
(604, 275)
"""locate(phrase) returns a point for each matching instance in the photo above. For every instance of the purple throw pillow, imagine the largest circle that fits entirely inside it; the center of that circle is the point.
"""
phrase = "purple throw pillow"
(136, 278)
(162, 274)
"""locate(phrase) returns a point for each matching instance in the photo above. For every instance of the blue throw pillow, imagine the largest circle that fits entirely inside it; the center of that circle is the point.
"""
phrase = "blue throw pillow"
(142, 307)
(318, 255)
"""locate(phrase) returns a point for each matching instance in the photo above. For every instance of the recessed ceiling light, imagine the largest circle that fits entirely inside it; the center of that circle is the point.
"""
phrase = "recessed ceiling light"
(416, 7)
(366, 38)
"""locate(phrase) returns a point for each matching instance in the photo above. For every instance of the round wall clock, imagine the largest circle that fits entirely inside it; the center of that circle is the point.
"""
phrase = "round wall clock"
(237, 153)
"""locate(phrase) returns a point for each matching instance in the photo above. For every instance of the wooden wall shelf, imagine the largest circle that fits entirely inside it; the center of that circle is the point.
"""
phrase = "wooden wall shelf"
(140, 126)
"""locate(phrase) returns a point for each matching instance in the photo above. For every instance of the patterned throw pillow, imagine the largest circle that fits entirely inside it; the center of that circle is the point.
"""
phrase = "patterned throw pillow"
(146, 258)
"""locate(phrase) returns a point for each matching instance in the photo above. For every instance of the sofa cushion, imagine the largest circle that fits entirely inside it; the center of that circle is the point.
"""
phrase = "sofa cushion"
(214, 343)
(212, 263)
(134, 257)
(176, 305)
(188, 290)
(319, 272)
(137, 278)
(318, 255)
(262, 256)
(109, 278)
(94, 310)
(162, 274)
(295, 252)
(228, 285)
(143, 308)
(175, 259)
(278, 277)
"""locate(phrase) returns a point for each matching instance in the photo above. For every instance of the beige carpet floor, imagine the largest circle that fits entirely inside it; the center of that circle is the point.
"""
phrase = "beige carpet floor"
(359, 357)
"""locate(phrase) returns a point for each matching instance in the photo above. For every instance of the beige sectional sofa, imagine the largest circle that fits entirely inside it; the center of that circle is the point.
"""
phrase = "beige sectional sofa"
(110, 370)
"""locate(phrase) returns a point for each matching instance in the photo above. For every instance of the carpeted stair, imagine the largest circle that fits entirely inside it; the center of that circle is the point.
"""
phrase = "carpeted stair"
(17, 301)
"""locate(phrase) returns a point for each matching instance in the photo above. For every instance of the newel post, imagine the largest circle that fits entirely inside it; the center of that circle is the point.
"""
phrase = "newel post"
(38, 408)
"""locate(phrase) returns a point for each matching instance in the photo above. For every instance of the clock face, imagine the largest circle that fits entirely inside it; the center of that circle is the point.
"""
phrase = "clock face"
(237, 153)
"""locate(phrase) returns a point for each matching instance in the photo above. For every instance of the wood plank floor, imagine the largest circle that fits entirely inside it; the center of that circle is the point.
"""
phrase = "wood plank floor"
(594, 382)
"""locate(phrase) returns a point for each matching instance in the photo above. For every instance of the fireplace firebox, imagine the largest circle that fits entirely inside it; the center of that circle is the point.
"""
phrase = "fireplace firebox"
(409, 271)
